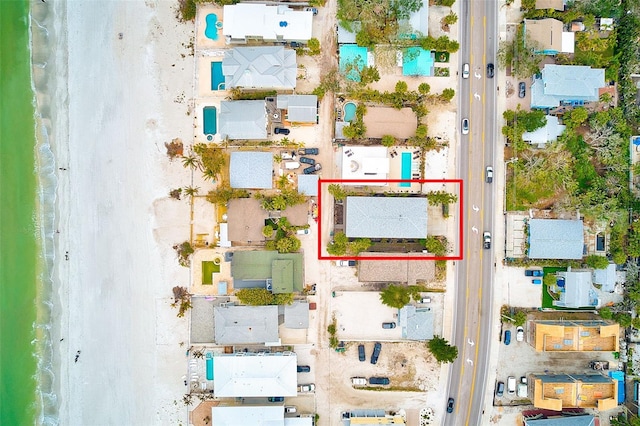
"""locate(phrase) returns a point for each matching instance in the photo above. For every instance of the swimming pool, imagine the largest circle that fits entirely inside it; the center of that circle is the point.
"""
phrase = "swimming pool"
(211, 28)
(405, 171)
(217, 78)
(210, 122)
(349, 111)
(209, 366)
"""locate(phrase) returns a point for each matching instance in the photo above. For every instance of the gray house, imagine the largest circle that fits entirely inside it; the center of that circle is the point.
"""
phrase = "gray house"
(242, 120)
(236, 325)
(566, 84)
(260, 67)
(251, 170)
(386, 217)
(556, 239)
(300, 108)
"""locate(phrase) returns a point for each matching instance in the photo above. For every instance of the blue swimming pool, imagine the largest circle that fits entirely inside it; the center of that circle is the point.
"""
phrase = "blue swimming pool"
(349, 111)
(209, 366)
(211, 28)
(405, 171)
(210, 120)
(217, 78)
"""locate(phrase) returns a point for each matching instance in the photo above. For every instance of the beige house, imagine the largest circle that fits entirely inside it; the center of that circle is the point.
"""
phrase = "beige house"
(548, 36)
(550, 4)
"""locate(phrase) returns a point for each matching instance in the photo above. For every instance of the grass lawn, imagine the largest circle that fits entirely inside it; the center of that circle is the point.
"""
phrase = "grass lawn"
(442, 56)
(547, 300)
(208, 269)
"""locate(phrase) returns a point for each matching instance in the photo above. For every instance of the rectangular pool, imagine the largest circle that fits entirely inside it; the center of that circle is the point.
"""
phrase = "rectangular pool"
(210, 121)
(217, 78)
(209, 366)
(405, 171)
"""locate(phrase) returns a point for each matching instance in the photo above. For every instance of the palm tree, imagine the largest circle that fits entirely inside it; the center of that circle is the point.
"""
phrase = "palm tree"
(191, 191)
(190, 161)
(395, 296)
(209, 175)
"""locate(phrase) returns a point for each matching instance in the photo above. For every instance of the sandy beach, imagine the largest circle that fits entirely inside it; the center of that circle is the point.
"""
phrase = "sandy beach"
(119, 357)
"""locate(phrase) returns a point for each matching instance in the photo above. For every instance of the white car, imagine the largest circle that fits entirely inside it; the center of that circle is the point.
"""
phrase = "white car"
(303, 231)
(307, 388)
(519, 334)
(290, 409)
(346, 263)
(465, 126)
(465, 71)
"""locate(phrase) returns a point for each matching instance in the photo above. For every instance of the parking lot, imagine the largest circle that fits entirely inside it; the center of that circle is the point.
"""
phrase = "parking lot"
(358, 324)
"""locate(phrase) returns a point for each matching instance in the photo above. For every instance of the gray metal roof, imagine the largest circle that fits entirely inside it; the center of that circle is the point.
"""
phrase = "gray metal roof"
(606, 277)
(386, 217)
(416, 323)
(347, 37)
(547, 133)
(300, 108)
(308, 185)
(566, 83)
(265, 67)
(242, 120)
(578, 291)
(584, 420)
(555, 239)
(251, 170)
(296, 315)
(245, 324)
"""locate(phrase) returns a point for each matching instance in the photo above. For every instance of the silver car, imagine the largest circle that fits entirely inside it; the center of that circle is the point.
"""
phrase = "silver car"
(465, 126)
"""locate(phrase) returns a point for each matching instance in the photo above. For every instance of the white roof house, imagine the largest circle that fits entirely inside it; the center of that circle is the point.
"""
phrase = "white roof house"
(268, 23)
(606, 277)
(559, 84)
(246, 375)
(260, 67)
(246, 325)
(547, 133)
(556, 239)
(258, 415)
(300, 108)
(365, 162)
(578, 290)
(242, 120)
(251, 170)
(386, 217)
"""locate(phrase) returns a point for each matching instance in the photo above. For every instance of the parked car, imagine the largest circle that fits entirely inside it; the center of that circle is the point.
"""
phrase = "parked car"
(500, 389)
(519, 334)
(361, 355)
(314, 10)
(465, 71)
(376, 352)
(522, 89)
(486, 240)
(304, 369)
(450, 403)
(307, 160)
(291, 165)
(288, 409)
(536, 281)
(307, 388)
(303, 231)
(507, 337)
(358, 381)
(288, 155)
(308, 151)
(425, 300)
(276, 399)
(489, 174)
(346, 263)
(295, 44)
(312, 169)
(281, 131)
(511, 385)
(388, 325)
(489, 70)
(465, 126)
(379, 380)
(533, 273)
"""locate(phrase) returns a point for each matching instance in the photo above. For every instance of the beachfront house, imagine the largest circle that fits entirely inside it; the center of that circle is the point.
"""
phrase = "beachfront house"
(556, 239)
(566, 85)
(386, 217)
(242, 120)
(264, 374)
(273, 24)
(246, 218)
(277, 272)
(251, 170)
(260, 67)
(246, 325)
(548, 36)
(237, 413)
(558, 391)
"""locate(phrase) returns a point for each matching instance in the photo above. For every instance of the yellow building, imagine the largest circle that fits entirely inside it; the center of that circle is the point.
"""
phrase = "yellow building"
(576, 336)
(555, 392)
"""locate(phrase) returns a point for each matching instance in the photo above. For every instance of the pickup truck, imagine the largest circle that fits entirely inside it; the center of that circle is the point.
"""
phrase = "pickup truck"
(533, 273)
(358, 381)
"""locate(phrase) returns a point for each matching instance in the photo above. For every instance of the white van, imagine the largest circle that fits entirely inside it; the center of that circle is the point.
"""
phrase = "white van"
(511, 385)
(288, 155)
(291, 165)
(465, 71)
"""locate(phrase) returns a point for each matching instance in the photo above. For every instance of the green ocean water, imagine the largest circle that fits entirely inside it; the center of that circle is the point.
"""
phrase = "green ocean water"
(18, 239)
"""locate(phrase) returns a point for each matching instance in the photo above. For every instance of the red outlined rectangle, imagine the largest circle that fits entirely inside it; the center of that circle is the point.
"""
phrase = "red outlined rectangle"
(365, 181)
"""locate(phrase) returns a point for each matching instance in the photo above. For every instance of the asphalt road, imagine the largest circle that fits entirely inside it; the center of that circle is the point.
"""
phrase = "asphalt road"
(474, 275)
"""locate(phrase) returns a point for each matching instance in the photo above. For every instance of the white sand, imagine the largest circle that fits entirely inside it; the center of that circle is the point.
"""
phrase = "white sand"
(115, 288)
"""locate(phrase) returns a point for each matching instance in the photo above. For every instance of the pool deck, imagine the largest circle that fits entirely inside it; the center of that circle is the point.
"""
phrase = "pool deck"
(202, 41)
(196, 272)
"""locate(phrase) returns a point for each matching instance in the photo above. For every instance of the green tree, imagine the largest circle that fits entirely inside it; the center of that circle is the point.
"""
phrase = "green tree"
(436, 245)
(421, 131)
(364, 39)
(424, 88)
(450, 19)
(447, 94)
(401, 86)
(314, 46)
(441, 197)
(596, 262)
(223, 194)
(388, 141)
(338, 191)
(605, 313)
(395, 296)
(190, 191)
(622, 318)
(254, 296)
(212, 158)
(447, 3)
(288, 244)
(184, 251)
(283, 299)
(358, 245)
(268, 231)
(191, 161)
(338, 247)
(549, 279)
(442, 351)
(520, 317)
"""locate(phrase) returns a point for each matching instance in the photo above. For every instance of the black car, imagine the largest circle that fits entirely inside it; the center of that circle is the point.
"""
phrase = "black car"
(304, 369)
(295, 44)
(522, 89)
(376, 352)
(379, 380)
(489, 70)
(307, 160)
(308, 151)
(450, 403)
(281, 131)
(361, 354)
(276, 399)
(312, 169)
